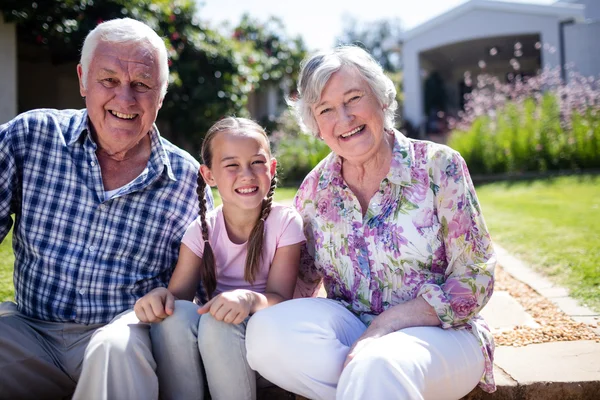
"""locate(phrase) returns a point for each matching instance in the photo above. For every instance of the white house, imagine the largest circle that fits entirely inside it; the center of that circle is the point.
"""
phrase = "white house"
(500, 38)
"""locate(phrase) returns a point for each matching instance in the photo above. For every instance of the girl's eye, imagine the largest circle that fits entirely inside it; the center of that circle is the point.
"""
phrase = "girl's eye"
(230, 165)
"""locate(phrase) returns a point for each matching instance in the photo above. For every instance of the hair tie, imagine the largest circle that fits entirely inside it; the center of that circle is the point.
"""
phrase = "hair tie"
(205, 240)
(262, 219)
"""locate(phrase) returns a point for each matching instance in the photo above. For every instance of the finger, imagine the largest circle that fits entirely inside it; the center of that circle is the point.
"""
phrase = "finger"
(231, 316)
(239, 319)
(348, 359)
(206, 306)
(140, 313)
(220, 312)
(157, 307)
(170, 304)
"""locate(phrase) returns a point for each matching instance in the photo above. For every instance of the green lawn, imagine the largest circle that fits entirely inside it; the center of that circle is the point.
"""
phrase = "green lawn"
(282, 194)
(6, 268)
(552, 224)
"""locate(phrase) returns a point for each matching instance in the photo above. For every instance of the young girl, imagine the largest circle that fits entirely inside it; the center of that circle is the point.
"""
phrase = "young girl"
(246, 253)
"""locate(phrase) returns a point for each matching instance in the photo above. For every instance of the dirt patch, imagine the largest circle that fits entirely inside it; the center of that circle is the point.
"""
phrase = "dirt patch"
(555, 325)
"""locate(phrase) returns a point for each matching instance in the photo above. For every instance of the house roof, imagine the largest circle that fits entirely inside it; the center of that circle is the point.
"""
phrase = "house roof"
(560, 10)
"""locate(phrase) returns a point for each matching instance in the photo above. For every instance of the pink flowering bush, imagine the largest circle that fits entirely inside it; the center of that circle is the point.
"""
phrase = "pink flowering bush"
(531, 124)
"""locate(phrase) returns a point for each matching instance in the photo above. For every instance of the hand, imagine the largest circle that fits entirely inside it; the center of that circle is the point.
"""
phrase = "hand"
(230, 307)
(155, 306)
(373, 332)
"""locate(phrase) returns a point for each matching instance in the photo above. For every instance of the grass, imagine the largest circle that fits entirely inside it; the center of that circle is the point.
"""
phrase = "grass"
(553, 225)
(6, 269)
(282, 195)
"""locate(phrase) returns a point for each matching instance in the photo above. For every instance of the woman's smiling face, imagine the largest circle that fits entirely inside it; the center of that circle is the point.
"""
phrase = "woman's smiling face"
(349, 116)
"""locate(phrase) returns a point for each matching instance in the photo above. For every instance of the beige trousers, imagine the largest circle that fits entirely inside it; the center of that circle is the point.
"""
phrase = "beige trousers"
(48, 360)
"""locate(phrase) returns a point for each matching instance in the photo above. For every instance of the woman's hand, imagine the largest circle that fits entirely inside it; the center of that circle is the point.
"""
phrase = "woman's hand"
(155, 306)
(230, 307)
(415, 312)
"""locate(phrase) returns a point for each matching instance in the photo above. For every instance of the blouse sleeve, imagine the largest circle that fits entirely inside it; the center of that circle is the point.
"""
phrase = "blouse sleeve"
(309, 279)
(469, 277)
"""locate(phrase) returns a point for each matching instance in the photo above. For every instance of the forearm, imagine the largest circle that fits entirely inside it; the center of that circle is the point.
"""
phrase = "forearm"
(259, 301)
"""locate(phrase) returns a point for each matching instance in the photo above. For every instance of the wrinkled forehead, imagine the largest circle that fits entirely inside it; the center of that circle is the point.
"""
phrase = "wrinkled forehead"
(139, 54)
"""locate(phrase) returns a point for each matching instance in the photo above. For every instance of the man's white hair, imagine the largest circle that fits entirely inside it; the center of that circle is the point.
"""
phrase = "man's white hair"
(125, 30)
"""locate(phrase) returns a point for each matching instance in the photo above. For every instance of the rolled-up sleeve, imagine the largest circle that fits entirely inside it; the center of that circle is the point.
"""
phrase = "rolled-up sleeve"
(469, 277)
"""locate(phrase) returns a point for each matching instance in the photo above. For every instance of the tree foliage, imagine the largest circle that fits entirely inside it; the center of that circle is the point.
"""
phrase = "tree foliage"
(211, 74)
(381, 38)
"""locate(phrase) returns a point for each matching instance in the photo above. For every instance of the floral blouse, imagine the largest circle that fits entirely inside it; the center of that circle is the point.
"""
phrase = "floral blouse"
(422, 235)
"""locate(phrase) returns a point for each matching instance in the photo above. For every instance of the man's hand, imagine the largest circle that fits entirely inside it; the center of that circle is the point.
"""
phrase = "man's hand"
(155, 306)
(230, 307)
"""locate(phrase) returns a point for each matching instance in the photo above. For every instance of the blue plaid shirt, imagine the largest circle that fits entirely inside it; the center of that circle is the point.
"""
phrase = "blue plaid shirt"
(80, 257)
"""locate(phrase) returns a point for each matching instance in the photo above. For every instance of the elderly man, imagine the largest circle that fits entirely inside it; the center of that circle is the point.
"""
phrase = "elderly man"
(100, 204)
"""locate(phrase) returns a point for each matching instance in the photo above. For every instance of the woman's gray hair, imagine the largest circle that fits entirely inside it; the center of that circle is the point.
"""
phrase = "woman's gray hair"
(125, 30)
(317, 70)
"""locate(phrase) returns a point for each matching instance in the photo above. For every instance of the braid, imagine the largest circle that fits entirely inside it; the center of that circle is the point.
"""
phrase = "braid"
(208, 271)
(255, 242)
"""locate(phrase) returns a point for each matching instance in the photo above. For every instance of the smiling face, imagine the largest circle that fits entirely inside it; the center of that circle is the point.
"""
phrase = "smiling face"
(349, 117)
(122, 93)
(241, 168)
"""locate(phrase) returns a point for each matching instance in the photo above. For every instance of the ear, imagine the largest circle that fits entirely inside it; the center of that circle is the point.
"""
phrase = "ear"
(273, 167)
(82, 89)
(207, 175)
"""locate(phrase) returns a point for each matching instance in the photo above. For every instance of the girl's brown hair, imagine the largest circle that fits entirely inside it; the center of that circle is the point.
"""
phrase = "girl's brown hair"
(255, 241)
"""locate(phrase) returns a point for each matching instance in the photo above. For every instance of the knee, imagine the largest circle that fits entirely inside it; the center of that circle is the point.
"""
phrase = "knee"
(184, 320)
(119, 342)
(218, 334)
(264, 338)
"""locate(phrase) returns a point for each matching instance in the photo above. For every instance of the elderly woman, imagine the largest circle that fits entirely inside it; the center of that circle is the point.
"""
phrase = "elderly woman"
(396, 235)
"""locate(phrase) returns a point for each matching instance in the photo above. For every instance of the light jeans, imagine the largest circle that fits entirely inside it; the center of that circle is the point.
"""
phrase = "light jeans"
(46, 360)
(301, 345)
(187, 346)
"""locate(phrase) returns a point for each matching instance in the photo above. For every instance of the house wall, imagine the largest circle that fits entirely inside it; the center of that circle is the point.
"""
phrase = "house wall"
(475, 24)
(8, 71)
(582, 47)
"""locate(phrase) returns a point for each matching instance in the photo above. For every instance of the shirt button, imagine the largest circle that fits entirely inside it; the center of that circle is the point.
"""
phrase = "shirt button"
(82, 291)
(92, 248)
(93, 164)
(103, 207)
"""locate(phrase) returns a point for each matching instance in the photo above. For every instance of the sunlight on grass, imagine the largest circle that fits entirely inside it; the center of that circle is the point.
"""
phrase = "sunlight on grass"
(282, 195)
(6, 269)
(552, 225)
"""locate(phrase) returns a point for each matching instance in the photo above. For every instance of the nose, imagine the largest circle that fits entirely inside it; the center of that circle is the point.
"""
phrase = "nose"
(246, 173)
(346, 114)
(126, 94)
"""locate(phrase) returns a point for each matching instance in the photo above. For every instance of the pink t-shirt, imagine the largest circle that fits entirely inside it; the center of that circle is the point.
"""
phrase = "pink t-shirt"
(282, 228)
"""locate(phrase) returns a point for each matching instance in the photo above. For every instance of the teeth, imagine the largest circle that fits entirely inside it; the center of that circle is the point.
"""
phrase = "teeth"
(248, 190)
(123, 116)
(352, 132)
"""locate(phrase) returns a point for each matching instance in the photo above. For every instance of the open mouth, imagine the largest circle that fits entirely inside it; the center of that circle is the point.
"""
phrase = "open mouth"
(247, 190)
(122, 115)
(353, 132)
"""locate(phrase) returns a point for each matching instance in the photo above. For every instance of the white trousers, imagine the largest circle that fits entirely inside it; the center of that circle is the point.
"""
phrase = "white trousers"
(301, 345)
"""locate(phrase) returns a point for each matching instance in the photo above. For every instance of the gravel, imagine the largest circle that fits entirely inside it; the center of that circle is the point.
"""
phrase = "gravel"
(555, 325)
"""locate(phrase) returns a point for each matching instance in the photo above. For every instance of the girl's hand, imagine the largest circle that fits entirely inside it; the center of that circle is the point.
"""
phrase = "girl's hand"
(155, 306)
(230, 307)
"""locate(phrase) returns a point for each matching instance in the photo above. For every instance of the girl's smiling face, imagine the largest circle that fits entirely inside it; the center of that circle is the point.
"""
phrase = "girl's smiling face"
(242, 168)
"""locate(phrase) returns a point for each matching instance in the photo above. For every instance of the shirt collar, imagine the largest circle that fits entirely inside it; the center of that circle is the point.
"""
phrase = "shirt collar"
(399, 174)
(158, 155)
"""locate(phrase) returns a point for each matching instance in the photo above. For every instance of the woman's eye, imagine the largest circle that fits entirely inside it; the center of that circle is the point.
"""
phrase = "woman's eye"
(324, 111)
(354, 99)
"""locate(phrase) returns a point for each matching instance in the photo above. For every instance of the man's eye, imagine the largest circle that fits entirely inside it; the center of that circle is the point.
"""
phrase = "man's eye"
(141, 87)
(109, 81)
